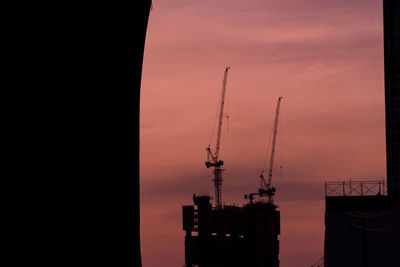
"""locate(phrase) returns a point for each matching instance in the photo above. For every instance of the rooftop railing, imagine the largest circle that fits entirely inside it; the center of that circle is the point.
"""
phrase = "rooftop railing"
(355, 188)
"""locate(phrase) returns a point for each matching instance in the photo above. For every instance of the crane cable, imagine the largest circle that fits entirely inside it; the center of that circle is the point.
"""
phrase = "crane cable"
(280, 144)
(227, 123)
(215, 121)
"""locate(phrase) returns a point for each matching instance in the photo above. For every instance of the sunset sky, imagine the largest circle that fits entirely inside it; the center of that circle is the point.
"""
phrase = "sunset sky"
(324, 57)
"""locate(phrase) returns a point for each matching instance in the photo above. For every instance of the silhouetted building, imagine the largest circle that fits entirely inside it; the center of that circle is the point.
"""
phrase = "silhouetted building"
(391, 21)
(233, 236)
(362, 219)
(362, 225)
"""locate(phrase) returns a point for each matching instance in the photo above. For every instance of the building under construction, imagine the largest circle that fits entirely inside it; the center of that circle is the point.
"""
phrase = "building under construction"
(231, 236)
(362, 219)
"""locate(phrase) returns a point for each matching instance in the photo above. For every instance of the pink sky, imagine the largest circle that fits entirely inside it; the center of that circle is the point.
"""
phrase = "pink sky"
(324, 57)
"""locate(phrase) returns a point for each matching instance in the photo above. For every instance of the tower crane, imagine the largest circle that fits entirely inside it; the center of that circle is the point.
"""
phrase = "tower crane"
(213, 158)
(265, 187)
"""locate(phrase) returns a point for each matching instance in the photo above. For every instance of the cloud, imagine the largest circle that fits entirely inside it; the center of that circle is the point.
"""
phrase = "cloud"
(324, 57)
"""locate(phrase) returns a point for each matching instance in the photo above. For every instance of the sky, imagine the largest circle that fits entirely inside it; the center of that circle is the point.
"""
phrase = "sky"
(325, 58)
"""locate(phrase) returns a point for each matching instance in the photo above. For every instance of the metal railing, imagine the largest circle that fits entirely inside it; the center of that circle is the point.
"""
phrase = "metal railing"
(355, 188)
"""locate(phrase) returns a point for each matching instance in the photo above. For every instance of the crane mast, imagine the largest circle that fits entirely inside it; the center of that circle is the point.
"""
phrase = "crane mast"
(213, 158)
(265, 187)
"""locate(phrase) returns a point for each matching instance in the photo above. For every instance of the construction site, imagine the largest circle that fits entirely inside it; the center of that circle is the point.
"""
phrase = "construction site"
(362, 218)
(223, 235)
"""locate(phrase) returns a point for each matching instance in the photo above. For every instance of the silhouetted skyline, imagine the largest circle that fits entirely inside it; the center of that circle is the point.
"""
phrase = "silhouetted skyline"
(324, 57)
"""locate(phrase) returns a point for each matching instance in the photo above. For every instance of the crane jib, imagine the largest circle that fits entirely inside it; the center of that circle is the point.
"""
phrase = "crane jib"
(271, 163)
(221, 112)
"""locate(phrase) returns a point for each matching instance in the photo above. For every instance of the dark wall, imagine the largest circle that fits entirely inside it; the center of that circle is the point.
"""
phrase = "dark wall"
(391, 12)
(76, 132)
(140, 37)
(361, 231)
